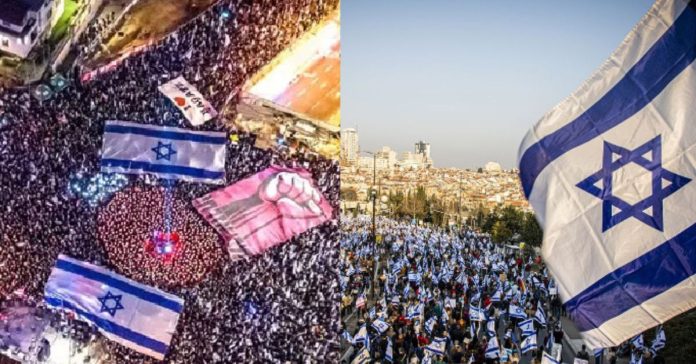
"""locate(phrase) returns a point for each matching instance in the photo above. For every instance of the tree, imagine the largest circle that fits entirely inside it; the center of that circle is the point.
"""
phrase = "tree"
(501, 233)
(531, 232)
(349, 194)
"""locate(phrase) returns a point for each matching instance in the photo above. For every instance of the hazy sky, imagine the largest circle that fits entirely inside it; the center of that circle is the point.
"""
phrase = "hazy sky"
(469, 77)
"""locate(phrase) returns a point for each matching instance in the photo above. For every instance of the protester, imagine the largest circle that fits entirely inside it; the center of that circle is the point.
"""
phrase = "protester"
(277, 307)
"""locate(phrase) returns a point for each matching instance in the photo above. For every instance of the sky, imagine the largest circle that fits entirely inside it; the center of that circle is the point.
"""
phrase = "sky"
(469, 77)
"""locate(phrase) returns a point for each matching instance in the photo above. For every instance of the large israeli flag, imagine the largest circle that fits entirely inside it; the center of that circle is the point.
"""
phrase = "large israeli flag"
(167, 152)
(609, 174)
(140, 317)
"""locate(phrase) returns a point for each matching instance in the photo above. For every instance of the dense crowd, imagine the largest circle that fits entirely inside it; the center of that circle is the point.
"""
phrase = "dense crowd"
(131, 218)
(276, 307)
(450, 296)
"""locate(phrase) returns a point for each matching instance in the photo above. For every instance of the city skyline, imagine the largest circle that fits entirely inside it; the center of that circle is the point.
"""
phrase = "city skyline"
(470, 78)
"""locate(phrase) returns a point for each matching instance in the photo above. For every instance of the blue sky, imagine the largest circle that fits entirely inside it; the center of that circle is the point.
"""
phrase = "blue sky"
(469, 77)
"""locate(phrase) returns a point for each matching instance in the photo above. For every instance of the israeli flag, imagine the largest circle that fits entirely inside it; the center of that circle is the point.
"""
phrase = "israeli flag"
(517, 312)
(529, 343)
(490, 327)
(540, 315)
(137, 316)
(609, 174)
(527, 327)
(361, 336)
(347, 337)
(363, 357)
(476, 314)
(438, 345)
(380, 326)
(638, 341)
(548, 359)
(389, 354)
(660, 341)
(166, 152)
(492, 349)
(429, 325)
(497, 296)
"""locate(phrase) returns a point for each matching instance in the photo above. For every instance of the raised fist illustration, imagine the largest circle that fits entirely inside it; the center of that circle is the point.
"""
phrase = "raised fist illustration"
(294, 192)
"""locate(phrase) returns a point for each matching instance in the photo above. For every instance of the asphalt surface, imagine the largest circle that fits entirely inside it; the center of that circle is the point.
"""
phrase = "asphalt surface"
(316, 90)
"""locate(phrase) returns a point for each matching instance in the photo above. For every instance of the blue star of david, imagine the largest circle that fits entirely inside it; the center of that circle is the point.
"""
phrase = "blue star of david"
(111, 309)
(648, 210)
(166, 154)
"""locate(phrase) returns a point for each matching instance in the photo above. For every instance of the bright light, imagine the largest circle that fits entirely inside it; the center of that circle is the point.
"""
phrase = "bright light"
(319, 45)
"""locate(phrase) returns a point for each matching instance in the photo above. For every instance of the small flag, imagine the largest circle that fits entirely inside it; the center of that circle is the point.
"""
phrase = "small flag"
(660, 340)
(517, 312)
(638, 341)
(363, 357)
(527, 327)
(492, 349)
(490, 327)
(476, 314)
(380, 326)
(389, 354)
(540, 316)
(437, 347)
(548, 359)
(529, 343)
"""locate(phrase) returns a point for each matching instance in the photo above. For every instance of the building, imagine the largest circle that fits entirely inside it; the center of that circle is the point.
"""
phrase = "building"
(388, 155)
(23, 23)
(423, 149)
(492, 167)
(349, 145)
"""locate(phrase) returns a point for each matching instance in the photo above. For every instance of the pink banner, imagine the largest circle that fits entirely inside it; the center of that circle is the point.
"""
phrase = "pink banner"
(265, 209)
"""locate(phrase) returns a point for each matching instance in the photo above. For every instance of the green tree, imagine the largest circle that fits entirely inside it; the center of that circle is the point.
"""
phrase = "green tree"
(501, 233)
(531, 232)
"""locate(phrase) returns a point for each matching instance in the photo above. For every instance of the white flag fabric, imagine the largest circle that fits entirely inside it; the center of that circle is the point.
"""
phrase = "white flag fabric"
(137, 316)
(529, 343)
(517, 312)
(548, 359)
(609, 174)
(477, 313)
(167, 152)
(187, 98)
(380, 326)
(492, 349)
(437, 347)
(363, 357)
(527, 327)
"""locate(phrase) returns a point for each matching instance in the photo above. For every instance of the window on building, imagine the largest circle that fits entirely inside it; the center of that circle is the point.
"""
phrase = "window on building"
(5, 42)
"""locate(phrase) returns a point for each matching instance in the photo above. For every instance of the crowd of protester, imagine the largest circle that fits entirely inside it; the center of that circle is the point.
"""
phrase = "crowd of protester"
(450, 296)
(274, 308)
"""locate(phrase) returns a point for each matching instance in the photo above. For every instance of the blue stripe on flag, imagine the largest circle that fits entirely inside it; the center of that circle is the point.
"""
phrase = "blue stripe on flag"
(164, 134)
(666, 59)
(162, 168)
(647, 276)
(120, 285)
(112, 327)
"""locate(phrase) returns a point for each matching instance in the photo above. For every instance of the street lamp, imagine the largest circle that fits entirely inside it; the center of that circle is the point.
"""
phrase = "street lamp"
(373, 196)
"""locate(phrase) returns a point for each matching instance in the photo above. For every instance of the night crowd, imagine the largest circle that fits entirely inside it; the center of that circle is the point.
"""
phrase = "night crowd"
(280, 306)
(452, 296)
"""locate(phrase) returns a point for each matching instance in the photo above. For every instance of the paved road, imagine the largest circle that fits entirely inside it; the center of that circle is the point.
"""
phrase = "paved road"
(316, 90)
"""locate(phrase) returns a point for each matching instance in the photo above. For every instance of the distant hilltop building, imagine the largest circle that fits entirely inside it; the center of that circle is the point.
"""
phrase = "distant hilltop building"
(385, 159)
(423, 150)
(349, 145)
(23, 23)
(492, 167)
